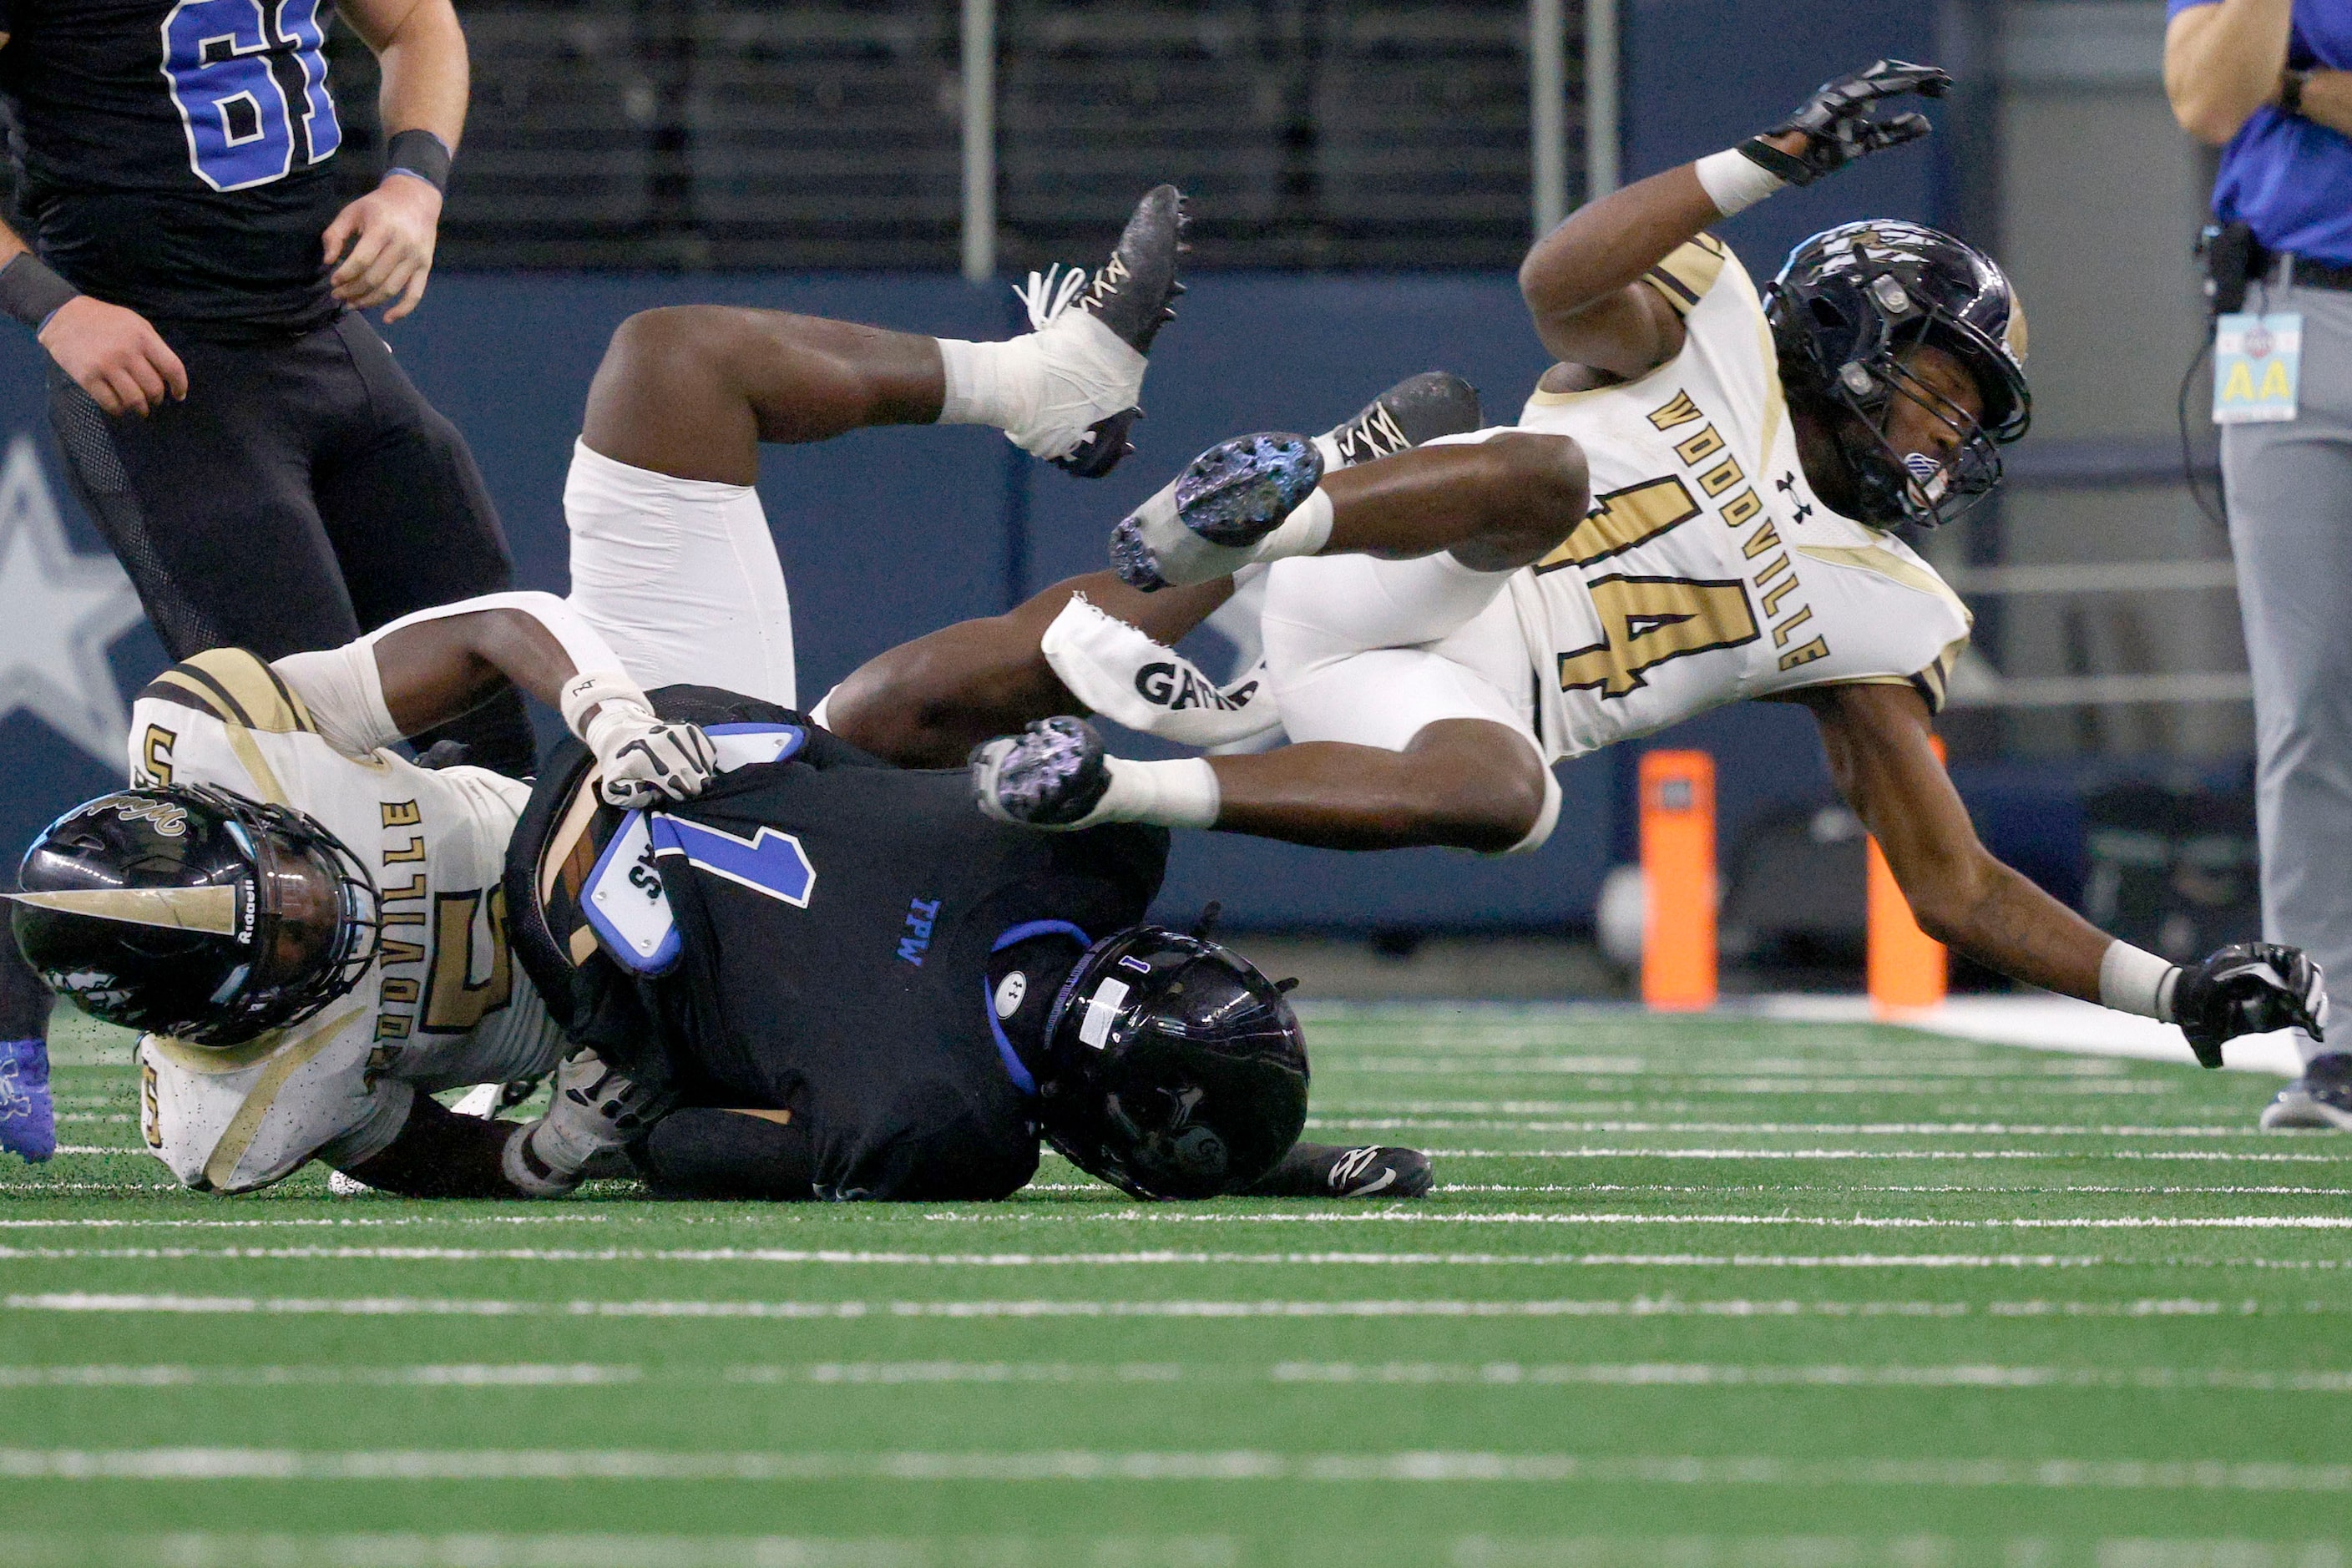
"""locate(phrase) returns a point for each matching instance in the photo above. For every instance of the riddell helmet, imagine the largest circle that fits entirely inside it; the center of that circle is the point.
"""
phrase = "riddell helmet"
(1845, 312)
(194, 913)
(1174, 1068)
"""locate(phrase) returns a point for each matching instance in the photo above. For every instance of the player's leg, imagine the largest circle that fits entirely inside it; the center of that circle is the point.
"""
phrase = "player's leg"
(671, 556)
(927, 703)
(1490, 502)
(2286, 487)
(1396, 747)
(413, 526)
(207, 504)
(692, 392)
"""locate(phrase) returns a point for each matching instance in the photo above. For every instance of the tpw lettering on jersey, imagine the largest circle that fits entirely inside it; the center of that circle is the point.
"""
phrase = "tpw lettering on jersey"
(922, 915)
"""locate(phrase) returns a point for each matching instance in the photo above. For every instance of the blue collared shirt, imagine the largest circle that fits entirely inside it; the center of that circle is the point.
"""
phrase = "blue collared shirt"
(2288, 177)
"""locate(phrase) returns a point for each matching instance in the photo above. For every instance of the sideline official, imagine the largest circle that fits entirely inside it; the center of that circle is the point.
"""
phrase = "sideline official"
(2269, 81)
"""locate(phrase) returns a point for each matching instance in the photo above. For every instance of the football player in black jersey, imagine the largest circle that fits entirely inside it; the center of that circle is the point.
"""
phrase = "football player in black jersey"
(197, 281)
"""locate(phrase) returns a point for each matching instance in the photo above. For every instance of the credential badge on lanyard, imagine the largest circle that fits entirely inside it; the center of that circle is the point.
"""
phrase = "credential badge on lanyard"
(2257, 367)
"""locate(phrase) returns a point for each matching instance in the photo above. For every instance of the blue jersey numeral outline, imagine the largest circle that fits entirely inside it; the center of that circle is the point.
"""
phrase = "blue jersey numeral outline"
(239, 69)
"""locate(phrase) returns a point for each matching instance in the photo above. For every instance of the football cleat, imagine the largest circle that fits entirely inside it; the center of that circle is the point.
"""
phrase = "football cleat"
(1132, 295)
(1320, 1171)
(1226, 500)
(1051, 776)
(29, 1118)
(2321, 1097)
(1417, 409)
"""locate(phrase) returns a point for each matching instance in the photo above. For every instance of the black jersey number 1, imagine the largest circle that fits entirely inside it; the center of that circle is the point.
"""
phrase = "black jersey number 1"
(222, 59)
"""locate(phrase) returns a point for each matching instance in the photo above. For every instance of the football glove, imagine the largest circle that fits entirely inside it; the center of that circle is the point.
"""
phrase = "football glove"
(1837, 123)
(29, 1118)
(2249, 988)
(644, 759)
(594, 1112)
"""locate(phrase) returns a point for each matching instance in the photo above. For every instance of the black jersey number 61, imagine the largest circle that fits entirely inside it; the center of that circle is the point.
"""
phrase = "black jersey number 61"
(238, 69)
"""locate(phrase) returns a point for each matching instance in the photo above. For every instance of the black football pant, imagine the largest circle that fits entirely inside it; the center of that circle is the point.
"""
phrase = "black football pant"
(304, 493)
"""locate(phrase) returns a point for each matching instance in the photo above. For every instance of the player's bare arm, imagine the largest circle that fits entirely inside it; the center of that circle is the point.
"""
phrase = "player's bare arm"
(381, 246)
(112, 353)
(1877, 738)
(1878, 742)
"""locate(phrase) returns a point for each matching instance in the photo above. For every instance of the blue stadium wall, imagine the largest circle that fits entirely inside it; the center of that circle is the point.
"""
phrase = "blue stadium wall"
(887, 535)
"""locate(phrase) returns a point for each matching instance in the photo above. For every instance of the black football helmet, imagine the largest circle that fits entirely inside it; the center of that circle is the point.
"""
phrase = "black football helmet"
(1847, 310)
(1174, 1069)
(194, 913)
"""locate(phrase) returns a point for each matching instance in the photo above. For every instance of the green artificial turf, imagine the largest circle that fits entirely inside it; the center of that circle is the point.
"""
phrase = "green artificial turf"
(1693, 1291)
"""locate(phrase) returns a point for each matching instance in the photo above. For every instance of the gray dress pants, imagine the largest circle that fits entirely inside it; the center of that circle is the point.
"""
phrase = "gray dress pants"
(2290, 492)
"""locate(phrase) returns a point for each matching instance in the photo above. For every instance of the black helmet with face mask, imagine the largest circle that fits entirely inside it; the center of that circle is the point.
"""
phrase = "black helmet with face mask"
(1848, 309)
(194, 913)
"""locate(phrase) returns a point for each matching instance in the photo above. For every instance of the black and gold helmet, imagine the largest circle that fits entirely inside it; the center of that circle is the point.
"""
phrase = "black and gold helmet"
(194, 913)
(1847, 310)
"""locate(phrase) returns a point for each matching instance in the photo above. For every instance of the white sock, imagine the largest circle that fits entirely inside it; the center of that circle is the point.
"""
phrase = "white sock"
(1185, 557)
(1044, 389)
(1181, 794)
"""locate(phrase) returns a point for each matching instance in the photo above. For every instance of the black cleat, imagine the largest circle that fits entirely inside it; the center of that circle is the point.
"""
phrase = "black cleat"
(1320, 1171)
(1050, 775)
(1417, 409)
(1133, 294)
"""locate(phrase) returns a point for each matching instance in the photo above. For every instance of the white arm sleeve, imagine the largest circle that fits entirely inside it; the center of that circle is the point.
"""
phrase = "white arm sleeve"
(343, 687)
(344, 692)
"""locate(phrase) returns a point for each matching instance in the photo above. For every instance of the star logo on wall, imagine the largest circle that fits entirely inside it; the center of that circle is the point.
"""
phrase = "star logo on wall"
(59, 610)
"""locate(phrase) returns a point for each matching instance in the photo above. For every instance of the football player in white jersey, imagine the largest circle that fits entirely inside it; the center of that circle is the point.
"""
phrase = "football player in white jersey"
(1746, 457)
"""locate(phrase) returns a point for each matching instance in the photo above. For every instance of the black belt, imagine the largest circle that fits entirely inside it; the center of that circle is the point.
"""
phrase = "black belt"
(2279, 268)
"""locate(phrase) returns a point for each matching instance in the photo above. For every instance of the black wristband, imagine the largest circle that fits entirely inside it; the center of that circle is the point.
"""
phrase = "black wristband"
(1790, 168)
(31, 293)
(421, 154)
(2291, 84)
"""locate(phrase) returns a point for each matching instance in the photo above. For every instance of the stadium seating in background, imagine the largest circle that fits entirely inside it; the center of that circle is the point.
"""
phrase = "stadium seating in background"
(1421, 119)
(825, 135)
(560, 146)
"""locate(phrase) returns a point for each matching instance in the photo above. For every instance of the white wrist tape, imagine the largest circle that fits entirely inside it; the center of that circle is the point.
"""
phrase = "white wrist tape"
(1735, 181)
(2134, 981)
(611, 694)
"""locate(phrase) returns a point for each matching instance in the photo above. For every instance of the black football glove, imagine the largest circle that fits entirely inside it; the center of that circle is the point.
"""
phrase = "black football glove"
(1837, 124)
(2250, 988)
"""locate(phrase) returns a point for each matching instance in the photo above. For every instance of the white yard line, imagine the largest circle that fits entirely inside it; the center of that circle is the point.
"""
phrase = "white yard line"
(2043, 1023)
(1492, 1375)
(470, 1374)
(574, 1218)
(2207, 1156)
(478, 1464)
(1644, 1306)
(583, 1549)
(1396, 1215)
(1165, 1259)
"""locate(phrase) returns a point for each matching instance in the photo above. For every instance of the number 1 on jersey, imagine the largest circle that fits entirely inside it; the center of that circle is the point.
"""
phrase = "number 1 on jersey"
(219, 59)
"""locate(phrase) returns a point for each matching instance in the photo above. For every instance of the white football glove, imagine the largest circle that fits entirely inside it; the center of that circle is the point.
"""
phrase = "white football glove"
(644, 759)
(596, 1114)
